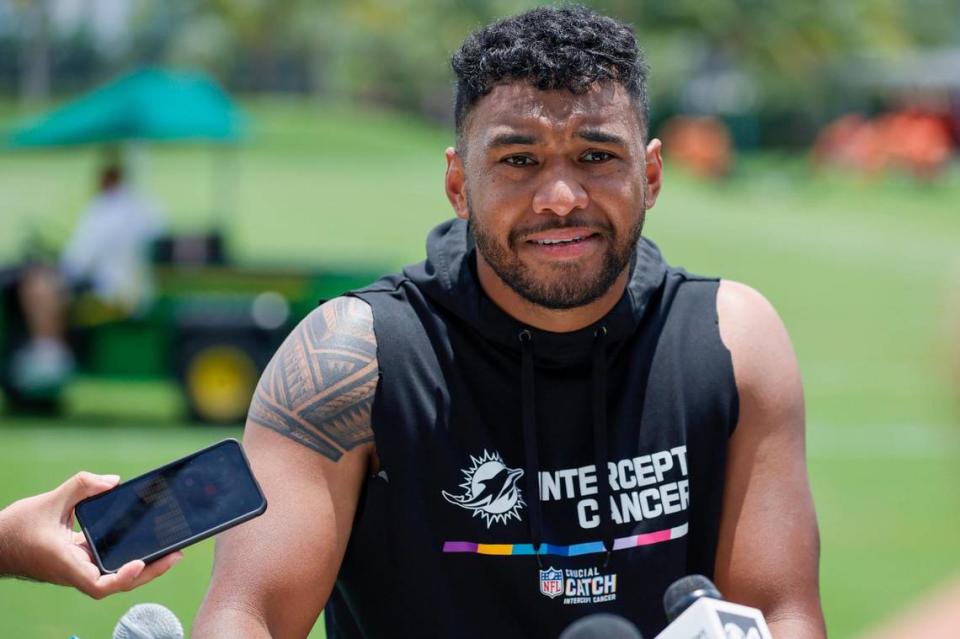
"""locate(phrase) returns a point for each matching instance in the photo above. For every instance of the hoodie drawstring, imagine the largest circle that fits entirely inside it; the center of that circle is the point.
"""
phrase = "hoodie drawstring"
(528, 410)
(600, 443)
(600, 436)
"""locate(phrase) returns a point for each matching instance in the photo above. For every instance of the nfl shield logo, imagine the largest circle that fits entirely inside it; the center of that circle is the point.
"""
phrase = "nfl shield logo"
(551, 582)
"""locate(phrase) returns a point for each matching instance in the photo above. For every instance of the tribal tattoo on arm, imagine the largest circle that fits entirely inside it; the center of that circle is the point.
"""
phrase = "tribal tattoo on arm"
(318, 389)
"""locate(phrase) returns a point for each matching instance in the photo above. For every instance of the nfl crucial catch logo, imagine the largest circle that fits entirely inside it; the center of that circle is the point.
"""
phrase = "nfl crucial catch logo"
(551, 582)
(489, 489)
(578, 585)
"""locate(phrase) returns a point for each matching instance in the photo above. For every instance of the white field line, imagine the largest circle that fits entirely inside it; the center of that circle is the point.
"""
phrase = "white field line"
(883, 441)
(837, 441)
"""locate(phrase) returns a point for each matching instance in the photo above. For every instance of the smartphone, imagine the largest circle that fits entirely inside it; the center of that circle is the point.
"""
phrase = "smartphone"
(171, 507)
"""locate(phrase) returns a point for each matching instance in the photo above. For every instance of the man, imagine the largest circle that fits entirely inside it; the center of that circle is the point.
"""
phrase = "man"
(541, 421)
(37, 542)
(107, 254)
(109, 249)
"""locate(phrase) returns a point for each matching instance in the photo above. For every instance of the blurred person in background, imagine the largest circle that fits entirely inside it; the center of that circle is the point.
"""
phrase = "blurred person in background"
(431, 444)
(105, 266)
(38, 542)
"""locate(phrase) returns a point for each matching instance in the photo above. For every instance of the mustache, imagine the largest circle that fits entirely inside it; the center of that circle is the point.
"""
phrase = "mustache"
(573, 220)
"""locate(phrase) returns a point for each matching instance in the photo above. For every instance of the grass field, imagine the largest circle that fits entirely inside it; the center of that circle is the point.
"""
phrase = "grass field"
(860, 272)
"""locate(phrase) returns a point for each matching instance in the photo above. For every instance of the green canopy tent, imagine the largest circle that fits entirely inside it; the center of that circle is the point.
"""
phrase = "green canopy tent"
(148, 104)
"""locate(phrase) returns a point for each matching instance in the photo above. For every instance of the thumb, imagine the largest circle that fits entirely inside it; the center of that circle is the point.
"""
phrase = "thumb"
(83, 485)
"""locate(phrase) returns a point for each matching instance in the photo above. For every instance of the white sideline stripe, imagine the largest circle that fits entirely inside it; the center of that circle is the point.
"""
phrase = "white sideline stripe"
(883, 441)
(824, 441)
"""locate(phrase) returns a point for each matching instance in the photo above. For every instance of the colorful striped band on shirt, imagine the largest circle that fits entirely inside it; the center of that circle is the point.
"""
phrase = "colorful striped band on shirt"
(575, 550)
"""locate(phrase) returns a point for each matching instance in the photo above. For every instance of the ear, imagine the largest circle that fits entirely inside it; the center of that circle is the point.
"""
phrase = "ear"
(455, 182)
(654, 170)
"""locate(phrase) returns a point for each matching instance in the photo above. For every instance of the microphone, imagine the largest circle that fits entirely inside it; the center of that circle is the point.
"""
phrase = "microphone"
(684, 592)
(148, 621)
(695, 610)
(602, 625)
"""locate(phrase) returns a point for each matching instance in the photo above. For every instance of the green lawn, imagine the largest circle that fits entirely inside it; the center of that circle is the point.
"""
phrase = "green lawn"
(860, 272)
(36, 455)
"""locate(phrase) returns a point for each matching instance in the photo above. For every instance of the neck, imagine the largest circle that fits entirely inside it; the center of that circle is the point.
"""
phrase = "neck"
(547, 319)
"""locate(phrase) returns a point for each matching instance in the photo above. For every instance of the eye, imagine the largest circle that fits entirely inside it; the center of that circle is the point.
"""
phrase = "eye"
(518, 160)
(595, 157)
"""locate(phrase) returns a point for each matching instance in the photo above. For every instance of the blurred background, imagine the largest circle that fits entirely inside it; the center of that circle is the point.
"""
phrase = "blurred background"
(257, 156)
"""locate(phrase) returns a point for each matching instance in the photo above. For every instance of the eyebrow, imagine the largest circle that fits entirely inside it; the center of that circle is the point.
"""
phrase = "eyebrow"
(512, 139)
(523, 139)
(601, 137)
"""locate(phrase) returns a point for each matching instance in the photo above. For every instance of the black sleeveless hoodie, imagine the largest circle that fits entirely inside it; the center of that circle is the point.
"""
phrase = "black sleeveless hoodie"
(488, 517)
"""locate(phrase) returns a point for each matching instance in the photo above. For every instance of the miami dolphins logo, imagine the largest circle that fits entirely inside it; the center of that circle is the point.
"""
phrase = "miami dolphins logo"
(490, 489)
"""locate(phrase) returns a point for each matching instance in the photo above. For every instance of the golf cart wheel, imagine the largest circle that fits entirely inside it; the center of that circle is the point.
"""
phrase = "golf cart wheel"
(219, 378)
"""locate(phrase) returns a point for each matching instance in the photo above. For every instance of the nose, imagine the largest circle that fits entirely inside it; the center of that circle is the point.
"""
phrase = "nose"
(559, 194)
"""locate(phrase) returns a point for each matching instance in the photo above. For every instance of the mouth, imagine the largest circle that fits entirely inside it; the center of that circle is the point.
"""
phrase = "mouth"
(563, 243)
(552, 242)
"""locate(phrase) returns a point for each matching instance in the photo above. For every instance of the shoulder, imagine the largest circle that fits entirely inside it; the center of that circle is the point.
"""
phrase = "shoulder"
(756, 337)
(764, 363)
(337, 334)
(319, 387)
(748, 321)
(341, 317)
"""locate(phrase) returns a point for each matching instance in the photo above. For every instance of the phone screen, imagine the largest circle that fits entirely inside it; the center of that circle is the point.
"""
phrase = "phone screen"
(171, 507)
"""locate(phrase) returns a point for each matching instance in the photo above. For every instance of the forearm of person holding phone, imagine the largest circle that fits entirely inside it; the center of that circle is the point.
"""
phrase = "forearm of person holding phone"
(38, 542)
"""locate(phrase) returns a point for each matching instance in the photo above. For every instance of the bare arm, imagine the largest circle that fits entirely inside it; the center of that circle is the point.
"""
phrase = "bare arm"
(769, 549)
(309, 439)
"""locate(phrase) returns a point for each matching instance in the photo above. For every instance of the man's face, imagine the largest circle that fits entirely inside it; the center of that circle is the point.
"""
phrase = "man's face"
(555, 186)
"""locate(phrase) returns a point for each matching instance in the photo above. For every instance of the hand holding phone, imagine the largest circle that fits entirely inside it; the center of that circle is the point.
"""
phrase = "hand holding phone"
(37, 541)
(171, 507)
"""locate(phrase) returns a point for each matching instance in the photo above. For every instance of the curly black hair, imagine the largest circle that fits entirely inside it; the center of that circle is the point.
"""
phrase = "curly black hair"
(568, 47)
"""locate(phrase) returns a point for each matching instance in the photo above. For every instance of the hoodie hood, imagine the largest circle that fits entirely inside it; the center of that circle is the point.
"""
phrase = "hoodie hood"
(449, 278)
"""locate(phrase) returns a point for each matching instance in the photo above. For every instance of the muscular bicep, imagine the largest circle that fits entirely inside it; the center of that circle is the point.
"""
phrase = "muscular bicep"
(318, 389)
(309, 440)
(768, 554)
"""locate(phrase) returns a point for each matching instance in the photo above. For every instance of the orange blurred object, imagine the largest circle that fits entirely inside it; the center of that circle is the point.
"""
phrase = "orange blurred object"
(918, 141)
(702, 145)
(909, 139)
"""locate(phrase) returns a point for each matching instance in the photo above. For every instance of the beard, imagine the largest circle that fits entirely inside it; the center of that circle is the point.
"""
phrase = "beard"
(568, 285)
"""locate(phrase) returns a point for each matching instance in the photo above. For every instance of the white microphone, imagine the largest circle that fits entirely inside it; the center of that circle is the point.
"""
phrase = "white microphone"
(148, 621)
(695, 610)
(602, 625)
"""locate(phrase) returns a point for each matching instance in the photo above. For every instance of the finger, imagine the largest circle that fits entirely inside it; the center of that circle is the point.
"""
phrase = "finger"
(78, 569)
(159, 567)
(81, 486)
(81, 542)
(81, 549)
(83, 574)
(133, 575)
(102, 585)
